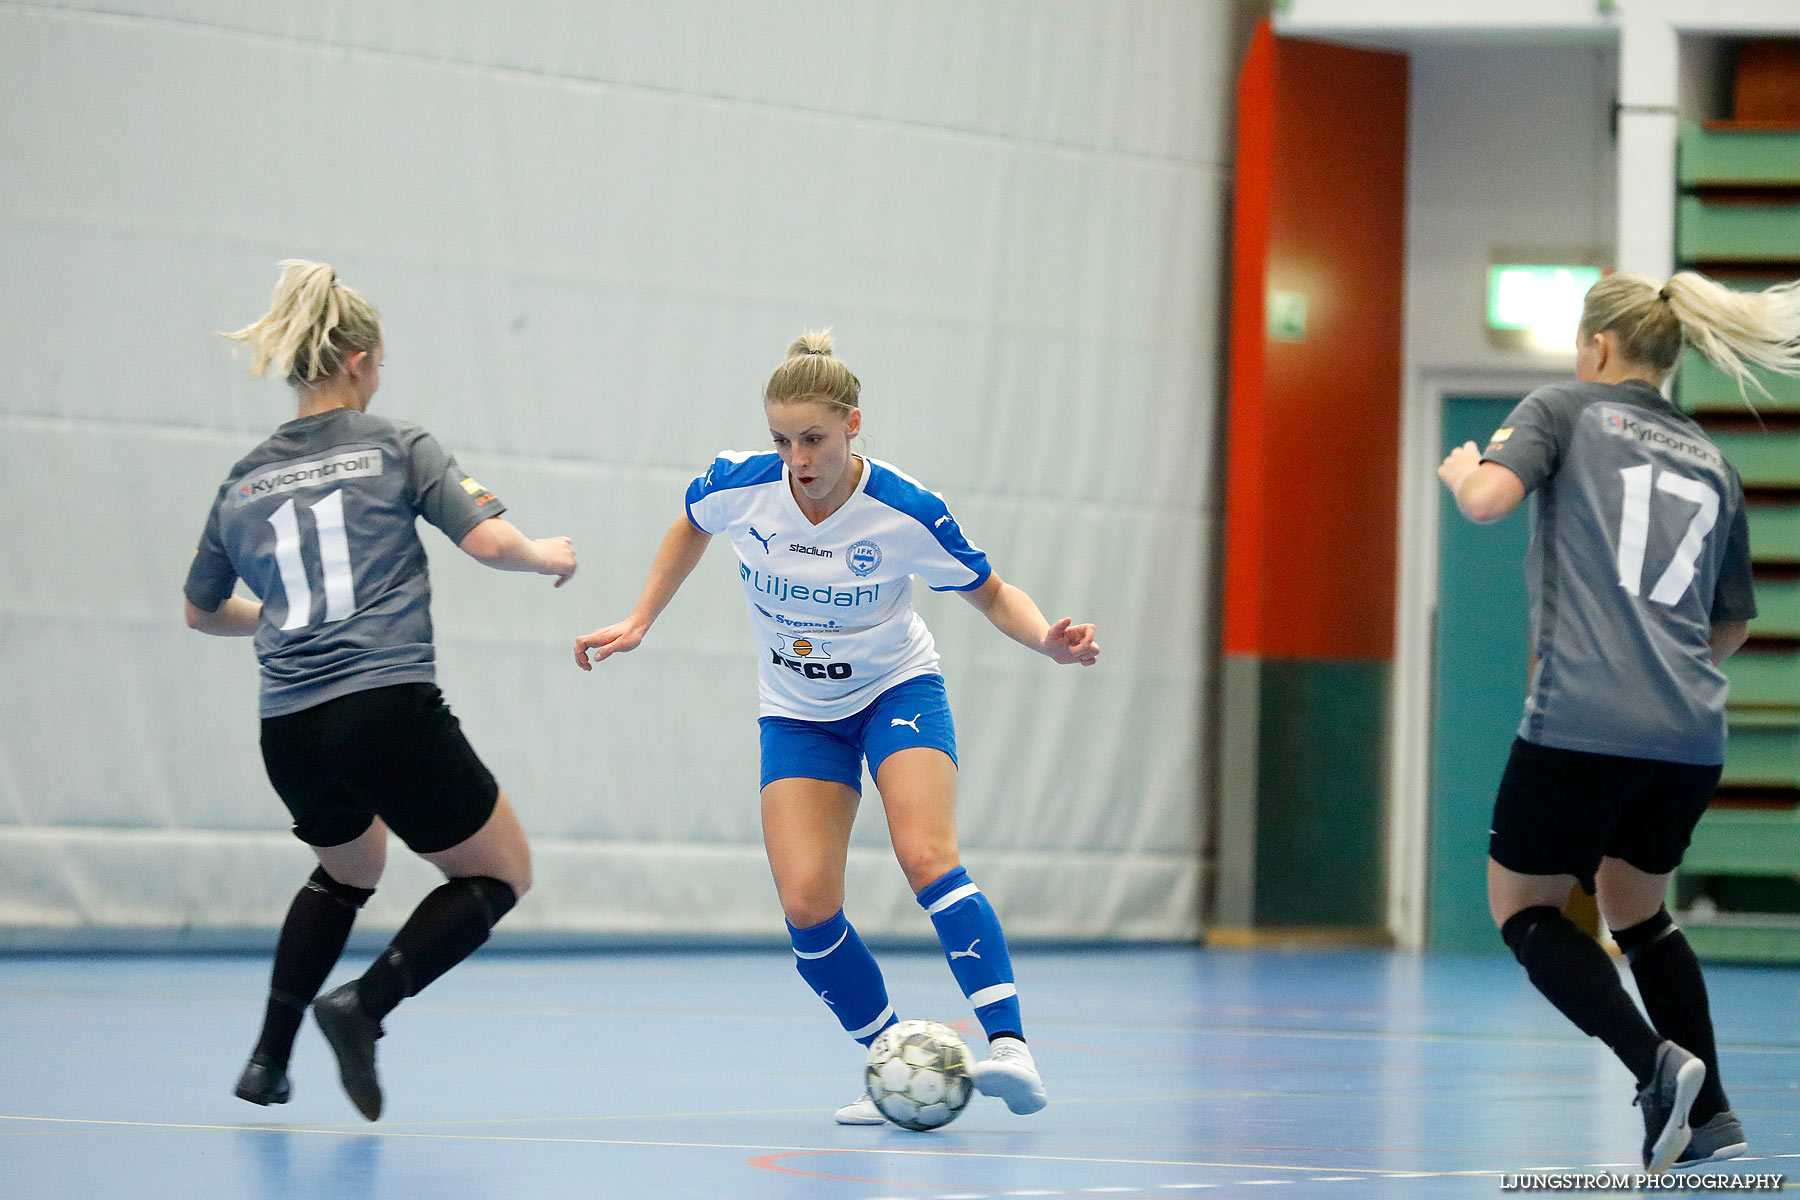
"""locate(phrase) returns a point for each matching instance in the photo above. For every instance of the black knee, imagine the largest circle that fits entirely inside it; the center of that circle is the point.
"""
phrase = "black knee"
(1635, 939)
(497, 897)
(350, 897)
(1527, 925)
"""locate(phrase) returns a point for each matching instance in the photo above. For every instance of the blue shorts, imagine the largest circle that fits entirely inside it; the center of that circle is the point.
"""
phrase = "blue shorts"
(913, 713)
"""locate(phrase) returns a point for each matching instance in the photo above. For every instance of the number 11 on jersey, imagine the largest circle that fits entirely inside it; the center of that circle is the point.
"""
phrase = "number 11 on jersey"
(334, 559)
(1634, 531)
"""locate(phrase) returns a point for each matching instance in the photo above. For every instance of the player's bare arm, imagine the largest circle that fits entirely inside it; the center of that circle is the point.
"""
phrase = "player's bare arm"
(680, 552)
(1485, 492)
(1728, 637)
(237, 617)
(1015, 614)
(497, 543)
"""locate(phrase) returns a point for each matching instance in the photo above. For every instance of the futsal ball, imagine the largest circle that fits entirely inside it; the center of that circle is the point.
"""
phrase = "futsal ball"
(918, 1074)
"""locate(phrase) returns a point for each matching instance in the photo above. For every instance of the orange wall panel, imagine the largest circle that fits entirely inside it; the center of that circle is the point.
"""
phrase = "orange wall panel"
(1244, 425)
(1314, 431)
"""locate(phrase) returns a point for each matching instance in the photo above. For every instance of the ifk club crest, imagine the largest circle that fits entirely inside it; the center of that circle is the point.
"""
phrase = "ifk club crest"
(863, 558)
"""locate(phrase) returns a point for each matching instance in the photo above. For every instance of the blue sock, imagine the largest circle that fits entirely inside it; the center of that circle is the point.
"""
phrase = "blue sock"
(970, 933)
(834, 961)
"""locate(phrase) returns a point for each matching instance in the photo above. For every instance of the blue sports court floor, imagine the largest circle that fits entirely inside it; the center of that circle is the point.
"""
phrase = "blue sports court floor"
(1172, 1072)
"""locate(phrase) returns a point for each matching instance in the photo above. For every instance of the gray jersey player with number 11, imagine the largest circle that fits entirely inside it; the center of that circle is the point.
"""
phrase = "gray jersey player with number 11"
(319, 522)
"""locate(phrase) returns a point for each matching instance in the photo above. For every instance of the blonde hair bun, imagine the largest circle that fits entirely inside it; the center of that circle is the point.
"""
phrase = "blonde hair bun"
(813, 341)
(811, 373)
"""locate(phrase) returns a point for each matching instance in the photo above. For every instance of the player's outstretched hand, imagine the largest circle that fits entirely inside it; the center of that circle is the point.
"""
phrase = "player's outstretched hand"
(1459, 464)
(605, 642)
(1066, 643)
(556, 556)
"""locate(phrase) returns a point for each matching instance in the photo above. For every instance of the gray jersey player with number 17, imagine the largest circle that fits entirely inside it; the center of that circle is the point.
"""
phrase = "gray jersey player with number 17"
(1639, 574)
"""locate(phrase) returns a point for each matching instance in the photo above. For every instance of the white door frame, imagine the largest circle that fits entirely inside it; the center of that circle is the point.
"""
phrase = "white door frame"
(1415, 616)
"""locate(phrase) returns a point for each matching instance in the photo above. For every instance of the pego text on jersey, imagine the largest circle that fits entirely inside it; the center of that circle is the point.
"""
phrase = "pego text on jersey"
(811, 670)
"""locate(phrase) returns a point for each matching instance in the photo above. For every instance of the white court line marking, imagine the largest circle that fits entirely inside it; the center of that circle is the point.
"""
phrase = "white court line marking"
(767, 1112)
(1371, 1173)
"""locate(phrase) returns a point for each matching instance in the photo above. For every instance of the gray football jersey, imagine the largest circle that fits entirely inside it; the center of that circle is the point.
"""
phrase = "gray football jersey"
(1639, 545)
(319, 522)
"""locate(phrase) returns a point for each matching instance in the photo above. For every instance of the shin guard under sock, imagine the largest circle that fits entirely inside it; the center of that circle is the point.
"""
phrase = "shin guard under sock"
(838, 966)
(312, 938)
(447, 927)
(1674, 993)
(969, 931)
(1579, 978)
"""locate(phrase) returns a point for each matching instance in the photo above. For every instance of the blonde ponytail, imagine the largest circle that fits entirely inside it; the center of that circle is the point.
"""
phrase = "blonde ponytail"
(811, 373)
(1734, 330)
(313, 324)
(1738, 330)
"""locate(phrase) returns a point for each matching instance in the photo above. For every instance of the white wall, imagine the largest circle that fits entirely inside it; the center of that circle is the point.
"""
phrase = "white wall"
(1512, 158)
(592, 229)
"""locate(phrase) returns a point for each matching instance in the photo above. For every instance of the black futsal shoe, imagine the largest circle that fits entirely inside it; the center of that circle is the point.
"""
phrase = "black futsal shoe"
(264, 1081)
(352, 1033)
(1666, 1100)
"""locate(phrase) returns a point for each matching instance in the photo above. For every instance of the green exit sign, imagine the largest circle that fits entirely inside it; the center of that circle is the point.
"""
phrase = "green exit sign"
(1542, 301)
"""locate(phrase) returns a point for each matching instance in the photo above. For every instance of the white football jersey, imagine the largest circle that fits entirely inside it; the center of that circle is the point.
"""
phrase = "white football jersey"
(832, 603)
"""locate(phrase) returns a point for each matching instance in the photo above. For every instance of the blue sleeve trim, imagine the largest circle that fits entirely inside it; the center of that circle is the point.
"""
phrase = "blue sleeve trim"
(928, 509)
(986, 572)
(727, 473)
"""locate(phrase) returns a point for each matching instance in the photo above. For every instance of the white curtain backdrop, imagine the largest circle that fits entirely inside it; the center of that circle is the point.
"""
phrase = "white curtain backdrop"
(592, 229)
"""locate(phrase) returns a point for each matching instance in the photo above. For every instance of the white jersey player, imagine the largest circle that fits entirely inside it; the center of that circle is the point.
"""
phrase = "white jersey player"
(827, 543)
(833, 601)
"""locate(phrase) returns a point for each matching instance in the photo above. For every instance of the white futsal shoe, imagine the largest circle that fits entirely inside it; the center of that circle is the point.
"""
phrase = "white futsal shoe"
(860, 1111)
(1009, 1074)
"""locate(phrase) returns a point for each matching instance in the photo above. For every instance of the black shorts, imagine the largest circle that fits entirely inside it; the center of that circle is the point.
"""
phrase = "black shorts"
(1560, 811)
(392, 752)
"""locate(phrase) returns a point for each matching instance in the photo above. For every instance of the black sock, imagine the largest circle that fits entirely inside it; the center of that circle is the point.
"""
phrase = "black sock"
(446, 928)
(1577, 976)
(312, 937)
(1668, 978)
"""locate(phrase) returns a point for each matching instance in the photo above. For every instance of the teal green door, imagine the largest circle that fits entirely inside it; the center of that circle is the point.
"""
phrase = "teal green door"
(1483, 660)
